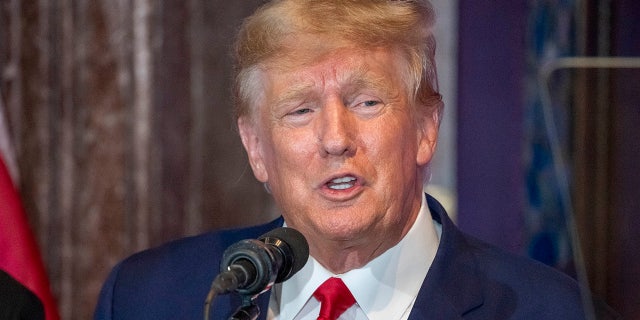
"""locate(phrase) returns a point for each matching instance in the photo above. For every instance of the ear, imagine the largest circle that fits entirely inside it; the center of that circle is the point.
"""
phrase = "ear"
(427, 137)
(253, 146)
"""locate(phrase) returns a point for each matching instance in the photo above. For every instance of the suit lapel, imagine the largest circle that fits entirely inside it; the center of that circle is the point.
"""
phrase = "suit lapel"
(453, 285)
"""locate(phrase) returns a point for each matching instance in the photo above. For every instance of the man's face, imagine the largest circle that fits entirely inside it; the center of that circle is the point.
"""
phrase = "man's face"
(340, 147)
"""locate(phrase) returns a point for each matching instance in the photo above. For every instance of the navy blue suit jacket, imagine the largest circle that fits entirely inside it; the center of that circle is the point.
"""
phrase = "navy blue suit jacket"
(468, 279)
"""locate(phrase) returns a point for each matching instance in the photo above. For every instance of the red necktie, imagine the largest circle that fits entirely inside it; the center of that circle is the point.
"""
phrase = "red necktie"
(335, 298)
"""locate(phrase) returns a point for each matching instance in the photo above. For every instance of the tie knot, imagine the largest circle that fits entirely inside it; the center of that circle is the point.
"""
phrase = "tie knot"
(335, 298)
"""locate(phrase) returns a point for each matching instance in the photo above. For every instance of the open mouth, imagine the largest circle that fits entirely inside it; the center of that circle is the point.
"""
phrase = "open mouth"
(342, 183)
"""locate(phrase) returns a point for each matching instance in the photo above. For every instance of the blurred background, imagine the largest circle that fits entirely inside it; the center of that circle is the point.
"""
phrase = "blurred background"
(119, 136)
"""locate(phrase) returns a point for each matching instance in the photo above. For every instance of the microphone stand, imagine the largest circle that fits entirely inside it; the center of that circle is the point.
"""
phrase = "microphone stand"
(247, 311)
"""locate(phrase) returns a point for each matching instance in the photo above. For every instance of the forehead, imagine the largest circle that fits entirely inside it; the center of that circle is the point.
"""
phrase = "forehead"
(344, 68)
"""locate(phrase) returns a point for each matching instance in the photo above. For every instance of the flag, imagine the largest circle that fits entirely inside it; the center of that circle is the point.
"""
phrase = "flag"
(19, 253)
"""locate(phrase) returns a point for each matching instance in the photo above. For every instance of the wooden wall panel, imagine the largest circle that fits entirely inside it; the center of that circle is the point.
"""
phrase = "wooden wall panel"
(120, 113)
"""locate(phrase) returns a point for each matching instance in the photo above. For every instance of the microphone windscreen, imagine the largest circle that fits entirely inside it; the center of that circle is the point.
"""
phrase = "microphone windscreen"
(296, 243)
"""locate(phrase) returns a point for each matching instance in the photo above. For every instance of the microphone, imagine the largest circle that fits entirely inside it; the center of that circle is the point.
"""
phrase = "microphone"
(250, 266)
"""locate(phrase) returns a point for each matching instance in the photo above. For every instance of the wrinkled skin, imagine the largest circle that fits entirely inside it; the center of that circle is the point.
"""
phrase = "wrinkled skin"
(343, 151)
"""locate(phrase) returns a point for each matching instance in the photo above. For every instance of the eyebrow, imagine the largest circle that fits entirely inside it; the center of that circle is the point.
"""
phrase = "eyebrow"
(294, 93)
(367, 82)
(356, 80)
(361, 78)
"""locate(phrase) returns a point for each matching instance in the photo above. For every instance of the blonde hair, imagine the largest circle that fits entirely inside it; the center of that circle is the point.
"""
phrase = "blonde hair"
(281, 27)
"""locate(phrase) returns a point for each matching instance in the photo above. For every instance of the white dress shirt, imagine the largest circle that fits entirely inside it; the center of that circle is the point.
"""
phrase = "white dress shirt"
(384, 289)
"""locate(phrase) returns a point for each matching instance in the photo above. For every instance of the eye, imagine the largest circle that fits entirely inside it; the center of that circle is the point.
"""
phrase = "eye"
(300, 111)
(370, 103)
(367, 105)
(365, 101)
(298, 116)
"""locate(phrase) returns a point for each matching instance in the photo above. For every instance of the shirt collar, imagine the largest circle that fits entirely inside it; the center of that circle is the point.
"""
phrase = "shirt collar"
(385, 287)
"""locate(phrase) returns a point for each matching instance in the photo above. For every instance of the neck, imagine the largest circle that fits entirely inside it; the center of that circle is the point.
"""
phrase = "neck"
(341, 256)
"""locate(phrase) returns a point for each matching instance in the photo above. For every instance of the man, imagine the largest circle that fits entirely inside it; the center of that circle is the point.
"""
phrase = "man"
(338, 111)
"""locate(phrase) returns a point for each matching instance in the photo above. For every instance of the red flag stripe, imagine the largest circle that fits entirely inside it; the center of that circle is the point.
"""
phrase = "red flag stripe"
(19, 254)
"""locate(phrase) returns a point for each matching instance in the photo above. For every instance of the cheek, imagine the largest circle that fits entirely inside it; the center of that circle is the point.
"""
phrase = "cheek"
(396, 165)
(291, 151)
(397, 141)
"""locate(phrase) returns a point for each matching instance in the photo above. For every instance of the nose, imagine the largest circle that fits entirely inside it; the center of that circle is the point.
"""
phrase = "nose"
(336, 130)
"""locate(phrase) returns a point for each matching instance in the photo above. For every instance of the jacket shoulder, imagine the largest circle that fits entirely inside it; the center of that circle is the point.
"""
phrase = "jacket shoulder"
(527, 286)
(475, 279)
(170, 281)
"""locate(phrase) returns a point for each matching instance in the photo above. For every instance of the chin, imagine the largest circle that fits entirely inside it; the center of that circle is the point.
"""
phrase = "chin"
(343, 231)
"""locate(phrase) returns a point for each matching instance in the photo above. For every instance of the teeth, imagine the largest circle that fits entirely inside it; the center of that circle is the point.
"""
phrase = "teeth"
(342, 183)
(340, 186)
(343, 180)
